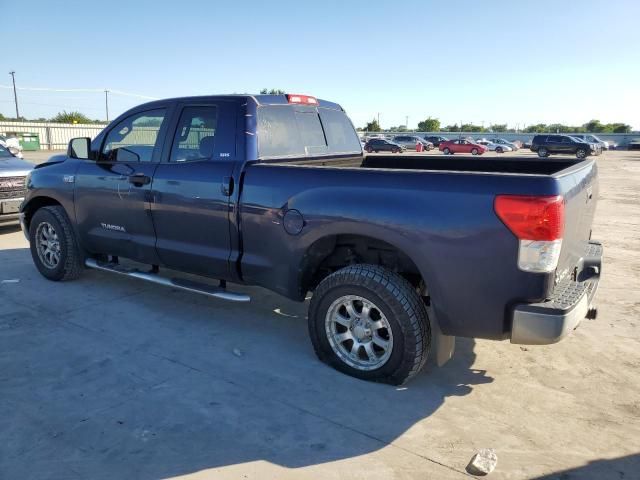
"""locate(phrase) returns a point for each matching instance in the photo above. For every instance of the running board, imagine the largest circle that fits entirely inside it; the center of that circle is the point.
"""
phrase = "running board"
(181, 283)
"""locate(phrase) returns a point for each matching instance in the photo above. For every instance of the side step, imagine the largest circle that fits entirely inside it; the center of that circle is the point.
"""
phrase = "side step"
(181, 283)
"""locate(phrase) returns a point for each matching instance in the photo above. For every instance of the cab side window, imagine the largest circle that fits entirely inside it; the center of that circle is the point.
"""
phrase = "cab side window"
(134, 139)
(195, 137)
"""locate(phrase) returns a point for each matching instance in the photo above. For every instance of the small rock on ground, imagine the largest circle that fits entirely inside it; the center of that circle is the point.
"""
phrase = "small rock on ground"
(483, 462)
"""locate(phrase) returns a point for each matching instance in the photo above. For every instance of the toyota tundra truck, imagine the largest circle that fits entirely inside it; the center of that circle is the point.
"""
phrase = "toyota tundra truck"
(400, 254)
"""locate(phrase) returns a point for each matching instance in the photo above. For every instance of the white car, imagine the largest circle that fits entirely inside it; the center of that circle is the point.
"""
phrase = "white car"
(12, 144)
(494, 147)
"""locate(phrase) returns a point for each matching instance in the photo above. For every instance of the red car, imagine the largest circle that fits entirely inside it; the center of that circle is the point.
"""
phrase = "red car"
(461, 146)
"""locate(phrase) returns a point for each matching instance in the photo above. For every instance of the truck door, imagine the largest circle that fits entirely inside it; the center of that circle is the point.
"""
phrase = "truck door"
(112, 193)
(192, 188)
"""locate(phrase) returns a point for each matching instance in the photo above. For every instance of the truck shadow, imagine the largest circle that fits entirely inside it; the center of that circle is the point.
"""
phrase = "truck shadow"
(615, 468)
(130, 380)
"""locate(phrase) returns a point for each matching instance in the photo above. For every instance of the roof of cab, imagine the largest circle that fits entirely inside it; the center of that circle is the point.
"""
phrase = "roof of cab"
(259, 99)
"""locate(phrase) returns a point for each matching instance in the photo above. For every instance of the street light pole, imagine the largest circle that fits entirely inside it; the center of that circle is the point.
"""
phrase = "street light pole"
(106, 103)
(15, 94)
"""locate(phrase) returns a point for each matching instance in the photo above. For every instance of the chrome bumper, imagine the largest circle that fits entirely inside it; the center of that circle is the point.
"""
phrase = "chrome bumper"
(550, 321)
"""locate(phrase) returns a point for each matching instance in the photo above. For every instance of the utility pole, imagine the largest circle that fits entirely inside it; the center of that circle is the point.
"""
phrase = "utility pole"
(15, 94)
(378, 118)
(406, 122)
(106, 103)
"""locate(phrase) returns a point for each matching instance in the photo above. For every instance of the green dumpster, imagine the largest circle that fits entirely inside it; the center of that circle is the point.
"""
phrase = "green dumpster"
(28, 141)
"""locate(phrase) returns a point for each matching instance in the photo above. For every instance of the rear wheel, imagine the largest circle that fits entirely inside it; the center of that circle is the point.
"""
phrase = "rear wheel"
(474, 151)
(377, 151)
(499, 150)
(53, 245)
(368, 149)
(446, 151)
(395, 150)
(542, 152)
(581, 153)
(370, 323)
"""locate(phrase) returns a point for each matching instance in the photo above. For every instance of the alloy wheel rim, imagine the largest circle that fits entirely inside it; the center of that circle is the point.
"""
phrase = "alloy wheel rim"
(359, 333)
(48, 245)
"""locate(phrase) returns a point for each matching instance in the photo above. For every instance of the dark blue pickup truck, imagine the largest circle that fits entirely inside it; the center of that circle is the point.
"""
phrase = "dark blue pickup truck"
(401, 253)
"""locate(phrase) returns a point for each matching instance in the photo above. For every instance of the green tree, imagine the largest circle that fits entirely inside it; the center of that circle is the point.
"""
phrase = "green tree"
(594, 126)
(499, 127)
(70, 117)
(452, 128)
(273, 91)
(620, 128)
(372, 126)
(537, 128)
(429, 125)
(470, 127)
(400, 128)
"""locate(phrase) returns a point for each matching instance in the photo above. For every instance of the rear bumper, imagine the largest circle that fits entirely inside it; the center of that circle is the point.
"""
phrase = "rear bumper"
(550, 321)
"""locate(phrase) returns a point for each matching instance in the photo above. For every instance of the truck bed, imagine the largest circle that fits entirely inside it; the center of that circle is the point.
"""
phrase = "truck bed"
(512, 165)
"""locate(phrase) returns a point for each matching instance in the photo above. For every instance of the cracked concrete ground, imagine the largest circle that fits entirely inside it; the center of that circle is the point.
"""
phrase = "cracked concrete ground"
(107, 377)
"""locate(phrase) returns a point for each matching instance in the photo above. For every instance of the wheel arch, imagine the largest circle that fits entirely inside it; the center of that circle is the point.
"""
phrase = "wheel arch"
(334, 251)
(35, 204)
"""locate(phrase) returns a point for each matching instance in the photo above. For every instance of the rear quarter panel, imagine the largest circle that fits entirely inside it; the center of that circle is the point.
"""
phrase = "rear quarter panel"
(444, 221)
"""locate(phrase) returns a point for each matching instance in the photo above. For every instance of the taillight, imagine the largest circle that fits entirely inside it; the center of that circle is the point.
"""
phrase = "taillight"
(304, 99)
(538, 223)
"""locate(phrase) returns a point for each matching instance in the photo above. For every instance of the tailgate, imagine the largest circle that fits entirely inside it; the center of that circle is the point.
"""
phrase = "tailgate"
(579, 187)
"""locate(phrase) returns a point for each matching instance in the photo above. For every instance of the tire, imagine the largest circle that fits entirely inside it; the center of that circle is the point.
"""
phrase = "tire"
(581, 153)
(499, 150)
(368, 150)
(51, 225)
(393, 302)
(446, 151)
(542, 152)
(474, 151)
(376, 151)
(395, 151)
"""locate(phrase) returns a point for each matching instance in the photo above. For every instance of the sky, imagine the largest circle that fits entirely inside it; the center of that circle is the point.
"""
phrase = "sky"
(479, 62)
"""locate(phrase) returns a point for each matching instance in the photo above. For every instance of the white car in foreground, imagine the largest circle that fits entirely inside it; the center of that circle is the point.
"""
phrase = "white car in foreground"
(494, 147)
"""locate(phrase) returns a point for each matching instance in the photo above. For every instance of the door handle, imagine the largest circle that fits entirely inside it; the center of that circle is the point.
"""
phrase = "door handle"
(227, 186)
(139, 179)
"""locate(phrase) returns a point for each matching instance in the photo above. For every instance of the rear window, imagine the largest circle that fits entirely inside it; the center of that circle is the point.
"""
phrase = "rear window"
(300, 131)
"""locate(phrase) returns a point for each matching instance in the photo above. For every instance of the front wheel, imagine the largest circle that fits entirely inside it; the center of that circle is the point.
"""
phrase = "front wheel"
(474, 151)
(543, 153)
(581, 153)
(499, 150)
(370, 323)
(53, 245)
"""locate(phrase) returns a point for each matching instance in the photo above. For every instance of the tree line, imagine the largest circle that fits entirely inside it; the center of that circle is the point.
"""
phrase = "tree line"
(433, 125)
(61, 117)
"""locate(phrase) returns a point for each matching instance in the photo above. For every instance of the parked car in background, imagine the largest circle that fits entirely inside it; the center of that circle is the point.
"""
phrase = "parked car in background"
(494, 147)
(382, 145)
(592, 139)
(501, 141)
(546, 145)
(436, 139)
(461, 145)
(410, 141)
(12, 144)
(13, 173)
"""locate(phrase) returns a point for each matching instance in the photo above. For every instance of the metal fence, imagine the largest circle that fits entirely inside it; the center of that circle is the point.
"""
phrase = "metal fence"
(53, 136)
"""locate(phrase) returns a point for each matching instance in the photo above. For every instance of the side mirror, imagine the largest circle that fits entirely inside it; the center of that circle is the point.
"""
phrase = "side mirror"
(79, 148)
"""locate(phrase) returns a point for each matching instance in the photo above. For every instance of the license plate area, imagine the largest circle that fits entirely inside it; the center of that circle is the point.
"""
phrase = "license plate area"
(10, 206)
